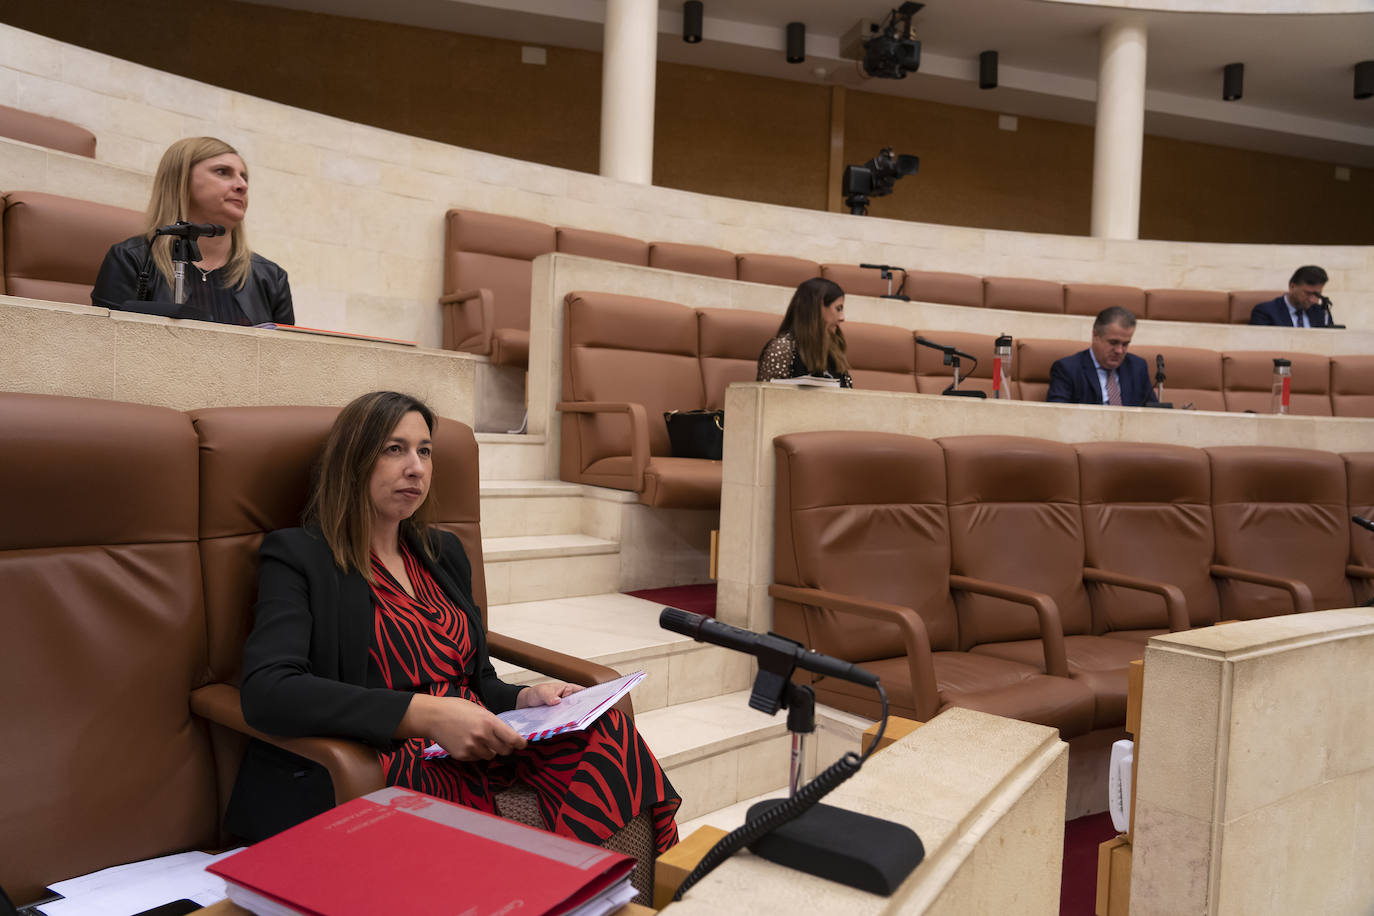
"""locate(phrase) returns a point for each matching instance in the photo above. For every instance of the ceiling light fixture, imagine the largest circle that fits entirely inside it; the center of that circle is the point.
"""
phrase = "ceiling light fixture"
(796, 42)
(692, 16)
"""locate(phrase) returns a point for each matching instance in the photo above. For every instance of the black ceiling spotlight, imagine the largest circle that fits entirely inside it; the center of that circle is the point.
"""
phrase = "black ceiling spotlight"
(1232, 82)
(1364, 79)
(796, 42)
(874, 178)
(987, 70)
(691, 21)
(893, 53)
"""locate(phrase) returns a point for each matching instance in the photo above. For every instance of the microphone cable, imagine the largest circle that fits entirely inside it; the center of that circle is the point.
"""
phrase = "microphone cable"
(805, 799)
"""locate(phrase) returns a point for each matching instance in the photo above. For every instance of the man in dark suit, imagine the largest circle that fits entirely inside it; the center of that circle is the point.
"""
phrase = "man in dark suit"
(1104, 373)
(1304, 306)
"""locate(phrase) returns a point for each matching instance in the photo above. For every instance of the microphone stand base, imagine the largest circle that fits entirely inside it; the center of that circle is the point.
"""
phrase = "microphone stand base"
(853, 849)
(964, 393)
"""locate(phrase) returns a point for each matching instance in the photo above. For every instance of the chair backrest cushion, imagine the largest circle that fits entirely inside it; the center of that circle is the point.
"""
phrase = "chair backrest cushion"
(1023, 294)
(881, 357)
(1187, 305)
(1281, 511)
(863, 513)
(1091, 298)
(1014, 518)
(1147, 512)
(1192, 375)
(102, 637)
(859, 281)
(944, 288)
(53, 246)
(489, 251)
(1352, 386)
(1034, 358)
(1359, 479)
(604, 245)
(1247, 378)
(41, 130)
(693, 259)
(1243, 301)
(730, 343)
(779, 270)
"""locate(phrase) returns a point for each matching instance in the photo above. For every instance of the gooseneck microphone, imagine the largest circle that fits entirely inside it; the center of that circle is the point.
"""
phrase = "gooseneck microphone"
(1362, 522)
(1159, 367)
(927, 342)
(185, 230)
(707, 629)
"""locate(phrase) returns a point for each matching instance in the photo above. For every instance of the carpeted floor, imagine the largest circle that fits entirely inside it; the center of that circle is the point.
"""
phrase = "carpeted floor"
(1078, 888)
(699, 599)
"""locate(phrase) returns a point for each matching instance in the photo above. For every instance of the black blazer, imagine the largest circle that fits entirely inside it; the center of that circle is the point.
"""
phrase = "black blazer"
(264, 297)
(305, 668)
(1275, 312)
(1074, 380)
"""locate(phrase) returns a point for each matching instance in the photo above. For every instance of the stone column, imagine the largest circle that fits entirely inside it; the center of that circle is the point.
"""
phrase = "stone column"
(1120, 132)
(629, 59)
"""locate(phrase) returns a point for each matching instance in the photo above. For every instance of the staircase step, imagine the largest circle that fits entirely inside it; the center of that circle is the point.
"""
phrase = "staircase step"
(622, 632)
(506, 456)
(528, 547)
(537, 567)
(513, 508)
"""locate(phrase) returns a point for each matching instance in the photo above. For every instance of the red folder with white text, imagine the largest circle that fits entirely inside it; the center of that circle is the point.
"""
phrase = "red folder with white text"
(398, 851)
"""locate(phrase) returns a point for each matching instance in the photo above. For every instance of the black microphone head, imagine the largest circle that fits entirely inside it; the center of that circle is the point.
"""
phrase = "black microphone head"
(679, 621)
(1362, 522)
(214, 229)
(1159, 361)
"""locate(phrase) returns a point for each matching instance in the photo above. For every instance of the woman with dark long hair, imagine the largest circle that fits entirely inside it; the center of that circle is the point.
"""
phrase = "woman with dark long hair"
(366, 628)
(809, 339)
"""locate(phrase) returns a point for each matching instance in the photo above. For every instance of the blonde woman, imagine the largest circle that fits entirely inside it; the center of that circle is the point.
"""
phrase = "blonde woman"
(199, 180)
(809, 340)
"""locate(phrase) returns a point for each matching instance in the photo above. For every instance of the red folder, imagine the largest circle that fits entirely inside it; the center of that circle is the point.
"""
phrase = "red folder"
(398, 851)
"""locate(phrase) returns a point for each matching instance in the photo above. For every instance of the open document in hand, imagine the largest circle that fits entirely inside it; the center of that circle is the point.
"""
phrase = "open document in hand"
(572, 714)
(398, 851)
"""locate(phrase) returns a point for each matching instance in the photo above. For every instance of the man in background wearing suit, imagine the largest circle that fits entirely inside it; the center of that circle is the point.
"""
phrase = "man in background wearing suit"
(1303, 307)
(1104, 373)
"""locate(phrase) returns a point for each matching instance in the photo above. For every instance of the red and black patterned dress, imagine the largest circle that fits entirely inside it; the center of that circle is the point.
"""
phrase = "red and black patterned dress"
(589, 784)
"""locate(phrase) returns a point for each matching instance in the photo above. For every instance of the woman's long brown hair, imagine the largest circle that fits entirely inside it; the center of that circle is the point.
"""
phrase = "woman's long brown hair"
(818, 349)
(341, 499)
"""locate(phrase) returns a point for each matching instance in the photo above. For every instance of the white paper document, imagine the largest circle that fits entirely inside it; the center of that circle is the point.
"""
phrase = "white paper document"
(139, 886)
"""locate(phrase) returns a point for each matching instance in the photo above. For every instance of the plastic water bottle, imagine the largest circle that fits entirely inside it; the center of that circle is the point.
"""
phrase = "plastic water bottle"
(1001, 368)
(1283, 384)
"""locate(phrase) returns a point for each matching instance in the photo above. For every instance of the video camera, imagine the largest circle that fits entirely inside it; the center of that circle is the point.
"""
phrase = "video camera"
(893, 53)
(875, 178)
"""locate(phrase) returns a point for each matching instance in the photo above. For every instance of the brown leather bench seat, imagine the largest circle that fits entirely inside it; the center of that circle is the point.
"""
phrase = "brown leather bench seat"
(1019, 576)
(52, 246)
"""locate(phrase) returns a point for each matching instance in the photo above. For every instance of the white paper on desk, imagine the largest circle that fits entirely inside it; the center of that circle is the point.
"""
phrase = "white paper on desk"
(139, 886)
(572, 713)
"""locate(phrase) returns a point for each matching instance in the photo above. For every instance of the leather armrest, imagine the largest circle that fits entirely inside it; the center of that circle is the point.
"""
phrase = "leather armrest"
(1298, 591)
(555, 664)
(914, 636)
(353, 767)
(486, 319)
(1051, 627)
(639, 431)
(1174, 602)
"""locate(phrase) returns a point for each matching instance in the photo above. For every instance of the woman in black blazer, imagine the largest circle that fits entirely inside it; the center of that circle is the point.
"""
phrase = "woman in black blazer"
(366, 629)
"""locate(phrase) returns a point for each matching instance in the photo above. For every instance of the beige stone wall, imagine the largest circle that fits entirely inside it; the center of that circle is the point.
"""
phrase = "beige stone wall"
(985, 795)
(81, 351)
(355, 214)
(1255, 788)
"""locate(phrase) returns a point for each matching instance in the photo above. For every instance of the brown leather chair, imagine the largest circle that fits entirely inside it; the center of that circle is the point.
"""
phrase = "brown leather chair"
(861, 562)
(255, 471)
(943, 288)
(730, 343)
(1015, 520)
(1242, 302)
(859, 281)
(1022, 294)
(881, 357)
(486, 301)
(1147, 513)
(1282, 530)
(102, 636)
(41, 130)
(53, 246)
(1187, 305)
(1359, 477)
(693, 259)
(1091, 298)
(1031, 368)
(626, 362)
(1192, 375)
(1247, 378)
(776, 269)
(933, 376)
(1352, 386)
(603, 245)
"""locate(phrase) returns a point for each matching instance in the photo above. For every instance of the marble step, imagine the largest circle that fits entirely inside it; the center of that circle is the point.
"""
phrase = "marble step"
(539, 567)
(505, 456)
(622, 632)
(513, 508)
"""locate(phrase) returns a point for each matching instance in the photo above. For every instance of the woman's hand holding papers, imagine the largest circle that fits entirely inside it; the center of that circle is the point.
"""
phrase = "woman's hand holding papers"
(544, 694)
(464, 729)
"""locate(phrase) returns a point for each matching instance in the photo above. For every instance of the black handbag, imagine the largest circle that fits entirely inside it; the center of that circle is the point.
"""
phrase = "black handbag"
(696, 433)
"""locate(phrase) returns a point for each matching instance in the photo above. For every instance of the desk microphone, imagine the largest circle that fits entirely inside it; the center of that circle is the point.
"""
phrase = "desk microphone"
(707, 629)
(1362, 522)
(927, 342)
(190, 230)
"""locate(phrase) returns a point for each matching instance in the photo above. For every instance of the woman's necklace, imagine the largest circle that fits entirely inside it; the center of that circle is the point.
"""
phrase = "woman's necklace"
(204, 274)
